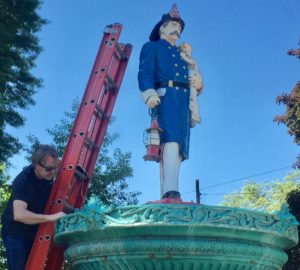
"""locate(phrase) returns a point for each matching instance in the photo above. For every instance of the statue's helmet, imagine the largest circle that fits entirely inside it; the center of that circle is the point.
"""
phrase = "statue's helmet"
(173, 15)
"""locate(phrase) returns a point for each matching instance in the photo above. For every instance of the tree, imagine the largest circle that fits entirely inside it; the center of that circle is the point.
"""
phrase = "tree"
(293, 200)
(4, 196)
(265, 197)
(269, 197)
(19, 48)
(112, 167)
(291, 117)
(109, 179)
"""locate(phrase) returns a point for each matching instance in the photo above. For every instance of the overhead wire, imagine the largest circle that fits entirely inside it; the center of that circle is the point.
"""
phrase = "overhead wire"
(240, 179)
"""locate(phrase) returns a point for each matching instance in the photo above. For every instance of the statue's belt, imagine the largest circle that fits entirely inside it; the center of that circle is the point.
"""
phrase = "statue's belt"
(172, 84)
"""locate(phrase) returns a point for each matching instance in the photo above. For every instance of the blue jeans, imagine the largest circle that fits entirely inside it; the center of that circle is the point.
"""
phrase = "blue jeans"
(17, 251)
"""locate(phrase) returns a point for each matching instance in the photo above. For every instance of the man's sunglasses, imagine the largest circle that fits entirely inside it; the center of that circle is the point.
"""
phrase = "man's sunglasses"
(47, 169)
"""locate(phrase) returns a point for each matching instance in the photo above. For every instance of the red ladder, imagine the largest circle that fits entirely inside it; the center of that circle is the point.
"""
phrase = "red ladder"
(84, 143)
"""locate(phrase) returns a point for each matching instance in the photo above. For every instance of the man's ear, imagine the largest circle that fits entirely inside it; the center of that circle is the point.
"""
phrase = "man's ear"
(161, 30)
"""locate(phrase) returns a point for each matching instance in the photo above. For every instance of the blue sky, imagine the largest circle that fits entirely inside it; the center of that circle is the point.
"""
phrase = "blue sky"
(240, 46)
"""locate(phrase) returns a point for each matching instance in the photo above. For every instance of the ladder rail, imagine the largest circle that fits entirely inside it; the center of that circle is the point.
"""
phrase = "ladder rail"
(84, 144)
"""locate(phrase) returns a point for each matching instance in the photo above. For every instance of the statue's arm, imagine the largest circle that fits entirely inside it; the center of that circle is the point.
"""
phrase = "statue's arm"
(146, 73)
(195, 78)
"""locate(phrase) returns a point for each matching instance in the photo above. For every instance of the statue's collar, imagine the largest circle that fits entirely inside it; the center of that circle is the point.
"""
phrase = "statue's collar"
(166, 43)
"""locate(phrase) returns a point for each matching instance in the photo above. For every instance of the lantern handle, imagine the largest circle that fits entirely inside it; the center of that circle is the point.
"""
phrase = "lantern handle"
(153, 112)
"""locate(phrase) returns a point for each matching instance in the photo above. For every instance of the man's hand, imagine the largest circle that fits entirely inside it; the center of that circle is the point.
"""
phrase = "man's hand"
(152, 101)
(195, 81)
(56, 216)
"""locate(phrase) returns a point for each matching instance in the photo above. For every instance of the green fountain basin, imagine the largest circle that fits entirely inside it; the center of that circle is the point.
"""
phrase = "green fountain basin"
(176, 237)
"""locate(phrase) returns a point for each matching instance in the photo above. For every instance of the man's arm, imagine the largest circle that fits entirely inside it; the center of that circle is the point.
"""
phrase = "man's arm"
(21, 214)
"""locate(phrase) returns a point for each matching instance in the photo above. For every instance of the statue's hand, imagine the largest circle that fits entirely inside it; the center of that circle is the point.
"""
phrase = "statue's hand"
(187, 59)
(152, 101)
(195, 81)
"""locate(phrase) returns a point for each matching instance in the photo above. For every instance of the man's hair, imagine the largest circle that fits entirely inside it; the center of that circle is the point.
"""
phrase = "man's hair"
(42, 152)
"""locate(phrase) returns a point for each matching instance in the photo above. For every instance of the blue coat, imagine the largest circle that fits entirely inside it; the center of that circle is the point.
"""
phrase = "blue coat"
(161, 62)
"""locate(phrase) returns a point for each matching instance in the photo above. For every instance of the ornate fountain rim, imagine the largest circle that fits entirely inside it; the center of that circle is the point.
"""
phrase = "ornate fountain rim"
(277, 230)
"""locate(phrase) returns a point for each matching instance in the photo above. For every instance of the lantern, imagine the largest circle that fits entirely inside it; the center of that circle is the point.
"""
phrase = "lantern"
(152, 139)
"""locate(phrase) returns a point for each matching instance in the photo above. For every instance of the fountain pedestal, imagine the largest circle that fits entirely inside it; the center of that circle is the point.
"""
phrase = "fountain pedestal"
(176, 237)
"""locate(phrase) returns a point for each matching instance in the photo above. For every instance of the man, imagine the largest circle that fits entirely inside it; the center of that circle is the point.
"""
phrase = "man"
(164, 83)
(24, 210)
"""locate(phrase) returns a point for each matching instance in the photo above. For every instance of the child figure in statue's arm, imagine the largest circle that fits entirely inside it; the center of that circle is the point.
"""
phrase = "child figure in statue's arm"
(186, 53)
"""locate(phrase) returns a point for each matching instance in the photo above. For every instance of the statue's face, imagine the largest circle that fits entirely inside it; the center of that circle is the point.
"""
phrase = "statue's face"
(171, 31)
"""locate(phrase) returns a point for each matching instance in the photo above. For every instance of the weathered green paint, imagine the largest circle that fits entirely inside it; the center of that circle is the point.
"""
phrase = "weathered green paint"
(176, 237)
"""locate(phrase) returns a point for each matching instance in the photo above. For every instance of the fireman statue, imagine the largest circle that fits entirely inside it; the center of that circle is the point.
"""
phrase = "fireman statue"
(165, 83)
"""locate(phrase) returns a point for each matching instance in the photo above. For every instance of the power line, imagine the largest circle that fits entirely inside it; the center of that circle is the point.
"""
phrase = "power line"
(236, 193)
(242, 178)
(297, 179)
(247, 177)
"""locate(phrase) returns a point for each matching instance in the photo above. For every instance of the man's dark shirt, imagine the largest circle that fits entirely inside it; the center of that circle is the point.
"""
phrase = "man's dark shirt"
(35, 192)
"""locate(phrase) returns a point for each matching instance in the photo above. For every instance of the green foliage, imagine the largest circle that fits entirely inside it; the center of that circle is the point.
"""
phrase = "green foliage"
(109, 179)
(265, 197)
(19, 48)
(293, 200)
(268, 197)
(4, 196)
(3, 178)
(4, 193)
(60, 132)
(4, 188)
